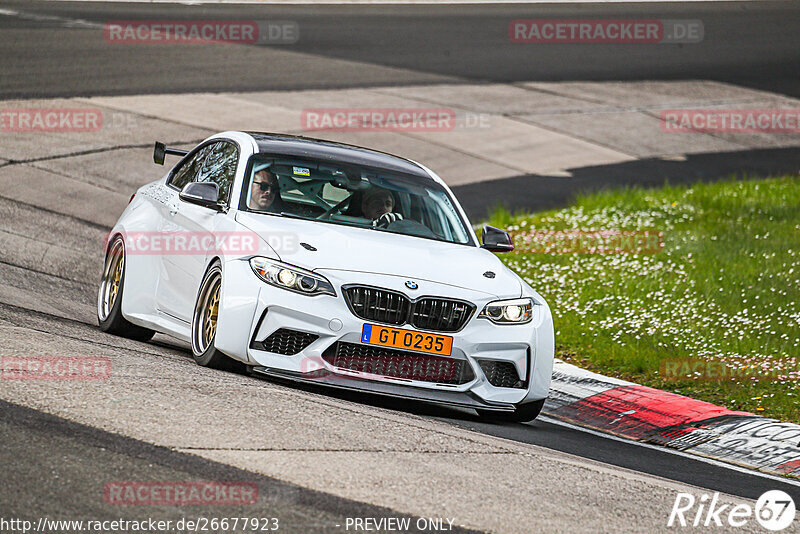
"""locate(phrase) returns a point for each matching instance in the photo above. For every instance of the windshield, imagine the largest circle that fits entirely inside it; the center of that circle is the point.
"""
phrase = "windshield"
(352, 195)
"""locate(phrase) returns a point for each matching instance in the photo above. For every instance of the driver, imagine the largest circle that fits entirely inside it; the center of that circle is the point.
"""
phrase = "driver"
(264, 191)
(377, 204)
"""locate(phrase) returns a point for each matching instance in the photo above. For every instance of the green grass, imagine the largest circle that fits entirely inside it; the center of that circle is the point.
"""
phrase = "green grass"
(725, 289)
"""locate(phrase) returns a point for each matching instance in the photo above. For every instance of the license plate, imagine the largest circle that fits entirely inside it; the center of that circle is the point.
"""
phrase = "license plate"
(401, 338)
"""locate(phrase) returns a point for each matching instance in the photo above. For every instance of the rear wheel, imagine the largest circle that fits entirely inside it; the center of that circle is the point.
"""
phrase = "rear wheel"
(109, 298)
(204, 324)
(523, 413)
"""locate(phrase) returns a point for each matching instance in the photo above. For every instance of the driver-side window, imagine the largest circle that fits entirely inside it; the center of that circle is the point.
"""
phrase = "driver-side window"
(219, 166)
(188, 170)
(215, 162)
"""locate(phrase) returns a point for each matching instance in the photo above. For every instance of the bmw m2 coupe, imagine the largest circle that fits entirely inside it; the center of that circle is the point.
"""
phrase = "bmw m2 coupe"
(321, 262)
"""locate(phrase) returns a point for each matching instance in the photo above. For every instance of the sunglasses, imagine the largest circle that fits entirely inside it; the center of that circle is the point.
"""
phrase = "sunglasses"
(265, 186)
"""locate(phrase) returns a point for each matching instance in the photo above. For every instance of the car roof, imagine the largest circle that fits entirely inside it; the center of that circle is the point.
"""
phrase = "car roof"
(292, 145)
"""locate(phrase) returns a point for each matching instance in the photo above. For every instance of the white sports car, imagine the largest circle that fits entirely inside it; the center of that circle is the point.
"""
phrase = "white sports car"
(322, 262)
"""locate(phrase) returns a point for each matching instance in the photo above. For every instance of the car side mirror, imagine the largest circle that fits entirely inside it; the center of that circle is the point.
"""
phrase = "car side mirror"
(496, 240)
(204, 194)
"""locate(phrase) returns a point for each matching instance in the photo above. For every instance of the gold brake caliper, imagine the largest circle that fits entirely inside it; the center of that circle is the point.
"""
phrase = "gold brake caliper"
(210, 324)
(115, 282)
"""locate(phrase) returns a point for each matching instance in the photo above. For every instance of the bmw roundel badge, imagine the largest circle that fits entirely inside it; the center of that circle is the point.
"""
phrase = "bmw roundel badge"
(411, 285)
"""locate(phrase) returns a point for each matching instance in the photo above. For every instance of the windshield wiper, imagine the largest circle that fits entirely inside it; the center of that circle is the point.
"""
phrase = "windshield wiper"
(410, 234)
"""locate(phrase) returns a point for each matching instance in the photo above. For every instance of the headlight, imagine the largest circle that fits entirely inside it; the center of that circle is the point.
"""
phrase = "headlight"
(292, 278)
(516, 311)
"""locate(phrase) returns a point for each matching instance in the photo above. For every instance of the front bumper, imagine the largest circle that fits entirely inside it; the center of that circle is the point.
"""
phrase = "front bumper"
(244, 320)
(331, 379)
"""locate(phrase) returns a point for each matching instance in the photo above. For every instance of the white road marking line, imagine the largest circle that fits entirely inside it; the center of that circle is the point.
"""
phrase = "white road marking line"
(676, 452)
(49, 18)
(398, 2)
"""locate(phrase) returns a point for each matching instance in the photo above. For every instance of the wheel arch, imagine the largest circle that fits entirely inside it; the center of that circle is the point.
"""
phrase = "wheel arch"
(239, 303)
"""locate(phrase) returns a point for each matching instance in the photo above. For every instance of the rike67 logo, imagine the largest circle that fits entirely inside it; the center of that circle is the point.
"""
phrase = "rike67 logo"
(774, 510)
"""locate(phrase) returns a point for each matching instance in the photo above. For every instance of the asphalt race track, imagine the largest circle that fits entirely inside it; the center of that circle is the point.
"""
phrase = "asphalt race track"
(749, 43)
(85, 454)
(317, 457)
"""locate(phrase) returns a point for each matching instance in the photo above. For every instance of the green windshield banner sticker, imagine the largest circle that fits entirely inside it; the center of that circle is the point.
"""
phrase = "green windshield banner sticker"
(301, 171)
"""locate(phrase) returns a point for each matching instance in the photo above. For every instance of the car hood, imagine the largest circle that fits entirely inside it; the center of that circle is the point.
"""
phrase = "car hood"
(343, 248)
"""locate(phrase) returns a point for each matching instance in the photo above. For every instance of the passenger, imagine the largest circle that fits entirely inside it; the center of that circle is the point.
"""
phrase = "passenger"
(377, 204)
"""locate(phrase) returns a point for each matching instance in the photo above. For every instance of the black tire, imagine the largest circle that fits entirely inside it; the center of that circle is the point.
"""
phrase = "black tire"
(524, 413)
(203, 349)
(109, 298)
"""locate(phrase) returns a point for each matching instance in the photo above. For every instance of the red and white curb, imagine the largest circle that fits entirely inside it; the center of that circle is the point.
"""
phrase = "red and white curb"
(653, 416)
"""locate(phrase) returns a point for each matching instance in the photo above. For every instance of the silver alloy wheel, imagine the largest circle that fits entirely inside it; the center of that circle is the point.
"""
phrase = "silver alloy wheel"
(112, 279)
(204, 323)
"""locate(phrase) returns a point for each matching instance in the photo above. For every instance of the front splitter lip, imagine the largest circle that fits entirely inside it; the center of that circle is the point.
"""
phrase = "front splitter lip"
(328, 379)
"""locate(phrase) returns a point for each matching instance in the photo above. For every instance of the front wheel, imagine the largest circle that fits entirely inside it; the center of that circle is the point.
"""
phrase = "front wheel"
(109, 298)
(204, 324)
(524, 413)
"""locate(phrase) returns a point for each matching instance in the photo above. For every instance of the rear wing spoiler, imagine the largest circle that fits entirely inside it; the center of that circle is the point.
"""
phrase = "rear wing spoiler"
(161, 150)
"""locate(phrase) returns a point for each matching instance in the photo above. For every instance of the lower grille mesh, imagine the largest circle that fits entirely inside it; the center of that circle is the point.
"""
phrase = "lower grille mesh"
(398, 364)
(501, 374)
(286, 341)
